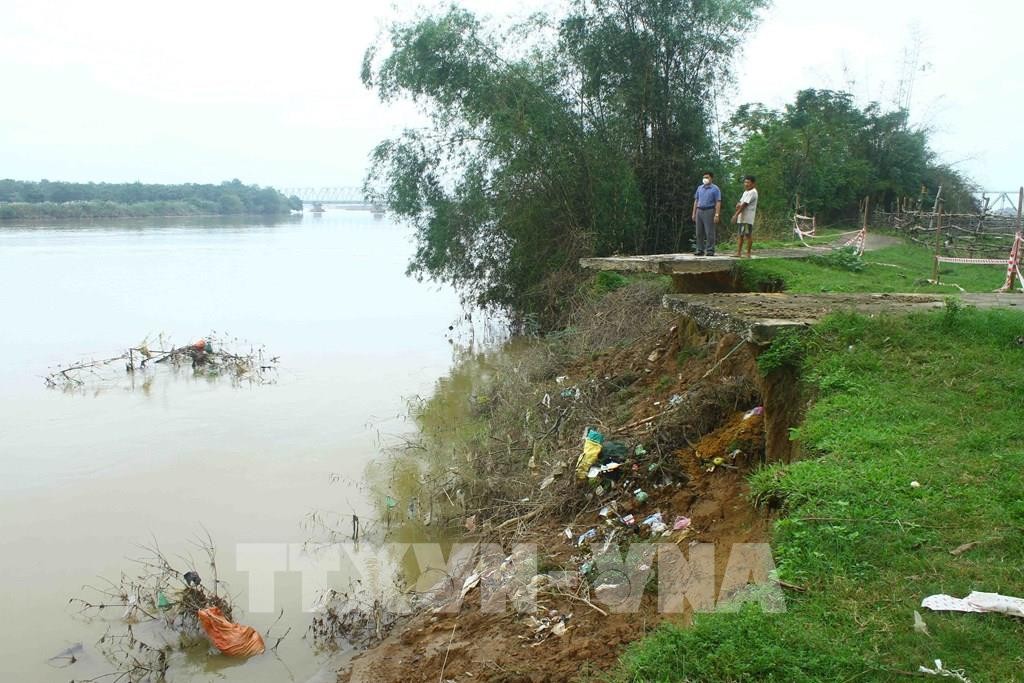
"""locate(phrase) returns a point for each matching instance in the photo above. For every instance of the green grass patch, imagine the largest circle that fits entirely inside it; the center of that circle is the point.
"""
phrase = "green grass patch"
(935, 398)
(785, 239)
(900, 268)
(788, 350)
(748, 645)
(608, 281)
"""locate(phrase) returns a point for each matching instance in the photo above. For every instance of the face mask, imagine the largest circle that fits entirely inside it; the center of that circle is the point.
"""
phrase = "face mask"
(707, 181)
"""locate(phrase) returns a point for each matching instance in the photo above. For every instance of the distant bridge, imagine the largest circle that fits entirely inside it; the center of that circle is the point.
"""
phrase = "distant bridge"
(349, 196)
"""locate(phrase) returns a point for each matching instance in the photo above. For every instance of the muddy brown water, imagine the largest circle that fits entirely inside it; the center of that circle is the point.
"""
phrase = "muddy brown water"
(88, 477)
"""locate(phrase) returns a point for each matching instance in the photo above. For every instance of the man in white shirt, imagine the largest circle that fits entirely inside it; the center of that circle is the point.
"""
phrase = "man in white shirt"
(746, 209)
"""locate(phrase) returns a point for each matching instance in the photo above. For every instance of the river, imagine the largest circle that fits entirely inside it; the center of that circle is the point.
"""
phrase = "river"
(90, 476)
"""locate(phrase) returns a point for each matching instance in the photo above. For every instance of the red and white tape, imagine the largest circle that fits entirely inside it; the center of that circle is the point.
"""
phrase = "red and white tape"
(1012, 263)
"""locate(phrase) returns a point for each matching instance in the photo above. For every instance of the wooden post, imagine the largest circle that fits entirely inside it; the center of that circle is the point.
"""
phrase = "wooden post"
(867, 201)
(938, 242)
(938, 198)
(1020, 200)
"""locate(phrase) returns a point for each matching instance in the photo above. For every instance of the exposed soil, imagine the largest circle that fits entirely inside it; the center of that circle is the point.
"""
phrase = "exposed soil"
(477, 646)
(686, 392)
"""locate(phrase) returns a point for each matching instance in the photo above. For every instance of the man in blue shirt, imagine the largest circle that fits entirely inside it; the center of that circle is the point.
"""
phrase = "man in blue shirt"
(707, 206)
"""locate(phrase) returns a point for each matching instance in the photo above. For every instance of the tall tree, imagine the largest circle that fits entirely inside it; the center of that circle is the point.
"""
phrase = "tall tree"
(552, 139)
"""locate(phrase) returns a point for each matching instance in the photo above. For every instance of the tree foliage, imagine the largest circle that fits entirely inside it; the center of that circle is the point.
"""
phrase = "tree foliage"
(46, 199)
(832, 154)
(552, 139)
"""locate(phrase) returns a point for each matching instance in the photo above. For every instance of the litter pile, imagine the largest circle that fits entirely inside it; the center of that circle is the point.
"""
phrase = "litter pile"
(587, 596)
(583, 449)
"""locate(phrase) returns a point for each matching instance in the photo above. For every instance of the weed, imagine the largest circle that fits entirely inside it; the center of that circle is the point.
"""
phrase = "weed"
(844, 258)
(608, 281)
(952, 312)
(787, 350)
(686, 354)
(743, 646)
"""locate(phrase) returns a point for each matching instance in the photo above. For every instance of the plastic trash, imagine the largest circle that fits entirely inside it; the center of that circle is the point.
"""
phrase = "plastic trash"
(614, 451)
(588, 535)
(639, 450)
(591, 449)
(976, 601)
(640, 495)
(653, 519)
(161, 600)
(939, 670)
(471, 582)
(681, 523)
(659, 528)
(192, 579)
(758, 410)
(628, 520)
(390, 502)
(234, 640)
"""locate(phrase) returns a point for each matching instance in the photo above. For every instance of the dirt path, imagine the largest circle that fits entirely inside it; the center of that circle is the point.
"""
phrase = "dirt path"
(875, 241)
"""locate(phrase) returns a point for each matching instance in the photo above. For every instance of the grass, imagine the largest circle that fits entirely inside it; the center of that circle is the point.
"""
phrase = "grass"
(900, 268)
(935, 398)
(782, 238)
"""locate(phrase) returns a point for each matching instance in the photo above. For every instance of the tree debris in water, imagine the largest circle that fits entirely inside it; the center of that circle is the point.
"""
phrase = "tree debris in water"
(152, 612)
(210, 357)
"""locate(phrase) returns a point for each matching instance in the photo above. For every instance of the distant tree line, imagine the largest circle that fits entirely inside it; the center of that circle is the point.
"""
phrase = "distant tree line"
(46, 199)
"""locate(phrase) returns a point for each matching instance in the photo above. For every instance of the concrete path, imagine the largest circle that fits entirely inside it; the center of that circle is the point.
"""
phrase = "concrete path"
(759, 317)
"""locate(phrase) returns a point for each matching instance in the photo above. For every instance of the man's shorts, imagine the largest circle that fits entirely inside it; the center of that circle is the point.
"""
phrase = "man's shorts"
(745, 229)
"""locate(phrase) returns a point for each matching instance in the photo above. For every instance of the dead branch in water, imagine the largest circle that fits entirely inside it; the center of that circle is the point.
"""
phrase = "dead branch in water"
(152, 612)
(209, 357)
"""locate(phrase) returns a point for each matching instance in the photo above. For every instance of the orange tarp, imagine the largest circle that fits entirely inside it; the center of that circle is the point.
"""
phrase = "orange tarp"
(232, 639)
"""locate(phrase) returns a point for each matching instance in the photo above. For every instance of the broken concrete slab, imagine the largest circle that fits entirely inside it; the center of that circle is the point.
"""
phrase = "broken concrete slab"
(758, 317)
(674, 264)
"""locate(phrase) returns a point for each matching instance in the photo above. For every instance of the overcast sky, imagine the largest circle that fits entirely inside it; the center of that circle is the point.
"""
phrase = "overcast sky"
(191, 91)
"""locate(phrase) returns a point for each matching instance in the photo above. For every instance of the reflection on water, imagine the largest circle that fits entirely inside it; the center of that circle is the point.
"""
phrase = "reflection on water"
(88, 478)
(418, 490)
